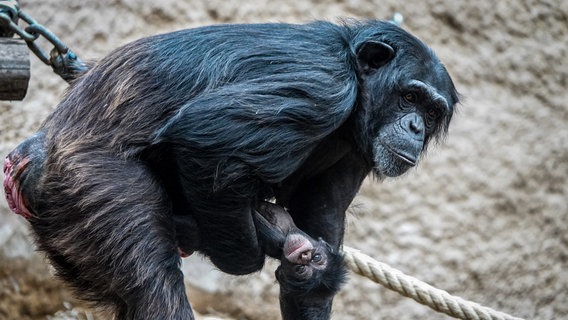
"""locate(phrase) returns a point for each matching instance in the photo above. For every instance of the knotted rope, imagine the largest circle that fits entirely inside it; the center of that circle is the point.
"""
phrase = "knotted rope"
(421, 292)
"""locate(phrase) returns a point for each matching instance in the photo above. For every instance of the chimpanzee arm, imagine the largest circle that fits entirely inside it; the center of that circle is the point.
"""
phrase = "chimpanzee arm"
(271, 233)
(318, 206)
(319, 202)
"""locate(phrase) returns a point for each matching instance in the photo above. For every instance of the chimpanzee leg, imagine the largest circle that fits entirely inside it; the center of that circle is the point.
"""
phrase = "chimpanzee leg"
(228, 234)
(187, 234)
(107, 227)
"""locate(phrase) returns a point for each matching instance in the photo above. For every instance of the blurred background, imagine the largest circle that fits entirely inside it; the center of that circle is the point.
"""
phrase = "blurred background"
(485, 216)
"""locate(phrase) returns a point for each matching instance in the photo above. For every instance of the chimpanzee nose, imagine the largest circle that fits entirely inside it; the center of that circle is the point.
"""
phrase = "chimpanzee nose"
(414, 125)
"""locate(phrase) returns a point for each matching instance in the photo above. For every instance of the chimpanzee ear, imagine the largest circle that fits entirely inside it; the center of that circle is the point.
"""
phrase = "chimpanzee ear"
(372, 55)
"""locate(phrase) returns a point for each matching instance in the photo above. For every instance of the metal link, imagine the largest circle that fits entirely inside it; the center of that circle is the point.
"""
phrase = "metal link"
(8, 15)
(62, 60)
(10, 7)
(38, 30)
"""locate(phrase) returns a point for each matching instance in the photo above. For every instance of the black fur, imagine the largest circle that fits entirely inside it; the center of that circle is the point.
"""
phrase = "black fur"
(208, 123)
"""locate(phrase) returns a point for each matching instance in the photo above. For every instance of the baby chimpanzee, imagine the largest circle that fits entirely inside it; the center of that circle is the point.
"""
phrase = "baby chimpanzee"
(309, 267)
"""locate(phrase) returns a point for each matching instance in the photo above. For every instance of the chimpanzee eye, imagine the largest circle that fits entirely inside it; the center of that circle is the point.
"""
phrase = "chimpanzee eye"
(300, 269)
(410, 97)
(316, 257)
(433, 113)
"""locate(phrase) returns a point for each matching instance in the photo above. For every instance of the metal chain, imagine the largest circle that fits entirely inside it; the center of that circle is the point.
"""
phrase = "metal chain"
(8, 15)
(61, 59)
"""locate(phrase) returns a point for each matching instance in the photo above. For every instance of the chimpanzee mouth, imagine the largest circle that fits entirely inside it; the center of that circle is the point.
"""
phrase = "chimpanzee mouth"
(408, 159)
(392, 161)
(294, 246)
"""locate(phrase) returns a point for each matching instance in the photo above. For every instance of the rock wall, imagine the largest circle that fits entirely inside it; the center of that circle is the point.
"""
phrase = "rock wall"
(485, 216)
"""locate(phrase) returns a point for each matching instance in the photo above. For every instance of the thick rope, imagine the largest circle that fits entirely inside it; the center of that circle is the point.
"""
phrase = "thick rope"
(421, 292)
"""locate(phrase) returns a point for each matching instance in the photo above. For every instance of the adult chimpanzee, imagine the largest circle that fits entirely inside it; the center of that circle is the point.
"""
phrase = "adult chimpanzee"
(209, 123)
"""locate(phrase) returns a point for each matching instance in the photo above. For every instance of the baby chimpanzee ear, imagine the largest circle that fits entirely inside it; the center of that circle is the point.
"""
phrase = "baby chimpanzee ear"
(372, 55)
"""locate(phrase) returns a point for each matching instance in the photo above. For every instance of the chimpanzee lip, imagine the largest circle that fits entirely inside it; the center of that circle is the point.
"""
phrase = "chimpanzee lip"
(410, 160)
(406, 158)
(295, 246)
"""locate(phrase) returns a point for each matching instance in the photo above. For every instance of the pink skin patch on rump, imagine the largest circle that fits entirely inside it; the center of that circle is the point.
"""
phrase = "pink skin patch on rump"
(11, 188)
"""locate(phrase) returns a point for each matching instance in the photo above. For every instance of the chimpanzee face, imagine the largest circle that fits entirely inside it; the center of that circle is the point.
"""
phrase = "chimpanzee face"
(410, 99)
(310, 265)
